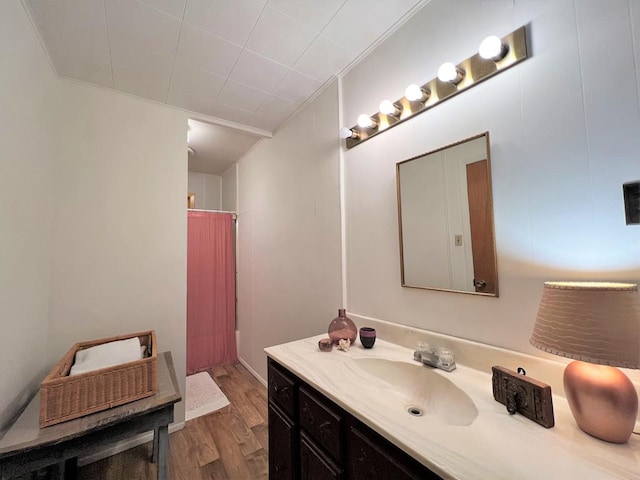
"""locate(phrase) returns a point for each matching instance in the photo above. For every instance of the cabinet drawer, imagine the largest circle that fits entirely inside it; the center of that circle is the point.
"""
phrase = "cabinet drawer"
(281, 389)
(321, 422)
(314, 465)
(373, 458)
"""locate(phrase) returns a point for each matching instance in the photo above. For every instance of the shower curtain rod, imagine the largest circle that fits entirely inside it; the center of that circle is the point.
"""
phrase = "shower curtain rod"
(211, 211)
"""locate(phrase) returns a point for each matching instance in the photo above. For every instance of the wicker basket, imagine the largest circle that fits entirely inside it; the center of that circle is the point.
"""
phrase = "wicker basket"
(64, 397)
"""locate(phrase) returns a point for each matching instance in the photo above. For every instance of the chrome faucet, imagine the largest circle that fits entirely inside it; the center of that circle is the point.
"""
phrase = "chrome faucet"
(441, 358)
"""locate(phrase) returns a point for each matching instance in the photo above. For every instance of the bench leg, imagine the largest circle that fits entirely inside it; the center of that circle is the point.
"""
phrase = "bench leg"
(154, 454)
(71, 469)
(161, 450)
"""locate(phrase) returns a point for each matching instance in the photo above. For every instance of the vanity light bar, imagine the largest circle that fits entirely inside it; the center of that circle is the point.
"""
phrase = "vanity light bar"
(461, 77)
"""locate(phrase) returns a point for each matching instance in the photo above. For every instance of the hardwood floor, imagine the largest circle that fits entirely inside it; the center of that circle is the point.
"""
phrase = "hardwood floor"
(228, 444)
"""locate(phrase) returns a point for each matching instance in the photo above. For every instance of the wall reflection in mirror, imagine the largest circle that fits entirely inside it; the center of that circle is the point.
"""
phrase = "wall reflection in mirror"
(445, 217)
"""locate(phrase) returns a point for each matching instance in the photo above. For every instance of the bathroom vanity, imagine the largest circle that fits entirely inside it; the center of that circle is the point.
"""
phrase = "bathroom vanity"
(310, 434)
(375, 413)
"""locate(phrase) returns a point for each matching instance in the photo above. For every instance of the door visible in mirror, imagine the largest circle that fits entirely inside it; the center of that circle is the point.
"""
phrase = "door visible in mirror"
(445, 218)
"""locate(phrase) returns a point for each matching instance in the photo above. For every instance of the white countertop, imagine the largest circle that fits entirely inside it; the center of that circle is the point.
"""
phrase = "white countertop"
(495, 446)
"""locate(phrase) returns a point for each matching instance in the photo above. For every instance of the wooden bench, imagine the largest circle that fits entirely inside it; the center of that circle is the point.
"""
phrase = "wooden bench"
(26, 447)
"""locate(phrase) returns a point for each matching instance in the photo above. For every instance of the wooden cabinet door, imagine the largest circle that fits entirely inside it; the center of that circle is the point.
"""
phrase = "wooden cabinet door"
(314, 465)
(321, 422)
(282, 446)
(372, 459)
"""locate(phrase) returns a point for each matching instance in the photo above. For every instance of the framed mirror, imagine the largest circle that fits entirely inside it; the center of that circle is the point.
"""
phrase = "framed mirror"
(445, 219)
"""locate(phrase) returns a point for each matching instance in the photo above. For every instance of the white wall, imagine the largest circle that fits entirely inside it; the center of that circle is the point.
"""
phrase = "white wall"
(564, 137)
(92, 216)
(230, 189)
(207, 189)
(27, 87)
(120, 233)
(289, 232)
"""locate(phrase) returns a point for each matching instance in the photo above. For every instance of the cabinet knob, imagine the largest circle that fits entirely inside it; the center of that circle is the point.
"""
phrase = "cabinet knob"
(279, 389)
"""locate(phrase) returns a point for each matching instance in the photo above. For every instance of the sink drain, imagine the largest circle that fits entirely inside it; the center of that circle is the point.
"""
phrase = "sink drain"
(415, 411)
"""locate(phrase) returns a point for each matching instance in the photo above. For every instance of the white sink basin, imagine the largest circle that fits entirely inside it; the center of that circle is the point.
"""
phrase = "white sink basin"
(417, 389)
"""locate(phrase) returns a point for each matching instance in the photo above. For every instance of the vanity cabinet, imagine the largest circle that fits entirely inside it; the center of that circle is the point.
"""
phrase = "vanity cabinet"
(312, 438)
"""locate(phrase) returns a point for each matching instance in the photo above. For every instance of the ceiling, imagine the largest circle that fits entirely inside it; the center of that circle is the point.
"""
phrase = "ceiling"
(245, 63)
(216, 147)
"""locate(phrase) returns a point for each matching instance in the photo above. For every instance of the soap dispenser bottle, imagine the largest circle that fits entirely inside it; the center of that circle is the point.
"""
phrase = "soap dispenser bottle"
(342, 327)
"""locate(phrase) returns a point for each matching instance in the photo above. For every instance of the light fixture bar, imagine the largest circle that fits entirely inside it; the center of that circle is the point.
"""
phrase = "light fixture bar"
(475, 69)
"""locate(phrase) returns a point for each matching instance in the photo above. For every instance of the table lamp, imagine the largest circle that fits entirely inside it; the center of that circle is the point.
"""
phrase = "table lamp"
(598, 325)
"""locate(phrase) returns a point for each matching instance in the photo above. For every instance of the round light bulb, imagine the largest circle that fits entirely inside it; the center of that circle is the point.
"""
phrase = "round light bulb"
(492, 48)
(346, 133)
(447, 72)
(365, 121)
(388, 108)
(414, 93)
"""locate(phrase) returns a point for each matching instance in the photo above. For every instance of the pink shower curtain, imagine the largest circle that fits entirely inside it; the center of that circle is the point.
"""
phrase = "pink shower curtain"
(211, 298)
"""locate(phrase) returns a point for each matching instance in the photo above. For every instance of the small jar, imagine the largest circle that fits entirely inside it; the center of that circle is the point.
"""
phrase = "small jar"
(342, 327)
(325, 344)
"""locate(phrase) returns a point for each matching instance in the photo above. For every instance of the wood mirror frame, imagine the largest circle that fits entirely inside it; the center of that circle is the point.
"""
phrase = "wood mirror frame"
(445, 219)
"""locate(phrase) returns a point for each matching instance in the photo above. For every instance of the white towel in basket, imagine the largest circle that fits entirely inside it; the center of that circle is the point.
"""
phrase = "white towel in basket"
(106, 355)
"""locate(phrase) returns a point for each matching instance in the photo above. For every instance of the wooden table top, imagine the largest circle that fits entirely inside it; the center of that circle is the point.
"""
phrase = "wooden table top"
(25, 434)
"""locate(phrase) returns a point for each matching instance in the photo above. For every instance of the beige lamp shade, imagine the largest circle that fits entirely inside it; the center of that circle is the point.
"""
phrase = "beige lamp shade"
(593, 322)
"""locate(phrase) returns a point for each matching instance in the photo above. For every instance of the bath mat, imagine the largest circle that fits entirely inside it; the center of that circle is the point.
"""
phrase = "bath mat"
(203, 396)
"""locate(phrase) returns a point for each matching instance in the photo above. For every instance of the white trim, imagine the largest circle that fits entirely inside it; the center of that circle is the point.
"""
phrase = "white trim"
(343, 207)
(43, 46)
(253, 372)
